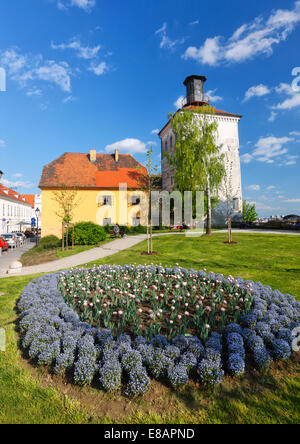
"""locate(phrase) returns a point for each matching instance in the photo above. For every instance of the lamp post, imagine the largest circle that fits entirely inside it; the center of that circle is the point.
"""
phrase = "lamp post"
(38, 214)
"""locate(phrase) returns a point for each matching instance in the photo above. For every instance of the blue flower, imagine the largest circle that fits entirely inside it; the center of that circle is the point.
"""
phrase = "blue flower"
(262, 359)
(281, 350)
(178, 376)
(110, 376)
(236, 364)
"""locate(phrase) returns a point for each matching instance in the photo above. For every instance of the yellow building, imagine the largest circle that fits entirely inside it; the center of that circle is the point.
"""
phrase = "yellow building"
(109, 190)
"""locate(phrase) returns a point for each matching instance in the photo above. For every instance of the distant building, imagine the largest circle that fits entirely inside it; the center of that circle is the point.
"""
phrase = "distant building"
(97, 178)
(36, 203)
(228, 139)
(15, 210)
(292, 218)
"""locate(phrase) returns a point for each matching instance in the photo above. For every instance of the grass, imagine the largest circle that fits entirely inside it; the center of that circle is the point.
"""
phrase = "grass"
(33, 395)
(271, 259)
(38, 255)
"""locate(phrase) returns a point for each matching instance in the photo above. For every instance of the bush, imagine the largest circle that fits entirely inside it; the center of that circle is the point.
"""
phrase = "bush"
(87, 233)
(139, 229)
(49, 242)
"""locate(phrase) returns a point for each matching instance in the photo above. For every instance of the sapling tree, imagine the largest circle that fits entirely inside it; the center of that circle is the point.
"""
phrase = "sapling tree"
(229, 195)
(148, 181)
(67, 201)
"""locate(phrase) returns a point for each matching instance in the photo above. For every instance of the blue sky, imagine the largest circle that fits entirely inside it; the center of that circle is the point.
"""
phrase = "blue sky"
(87, 74)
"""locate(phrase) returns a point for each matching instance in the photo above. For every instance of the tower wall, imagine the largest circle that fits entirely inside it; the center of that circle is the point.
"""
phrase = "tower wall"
(228, 140)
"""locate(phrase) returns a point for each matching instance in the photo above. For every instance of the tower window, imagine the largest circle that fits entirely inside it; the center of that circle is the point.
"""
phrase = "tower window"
(171, 142)
(166, 145)
(236, 204)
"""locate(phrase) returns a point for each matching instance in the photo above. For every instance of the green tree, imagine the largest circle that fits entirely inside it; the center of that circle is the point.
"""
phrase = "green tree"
(197, 159)
(249, 212)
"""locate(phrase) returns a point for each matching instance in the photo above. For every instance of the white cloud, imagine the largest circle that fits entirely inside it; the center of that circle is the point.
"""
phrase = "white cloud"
(208, 54)
(151, 142)
(69, 99)
(99, 69)
(34, 92)
(246, 158)
(268, 148)
(292, 200)
(25, 68)
(295, 133)
(253, 188)
(195, 22)
(86, 5)
(272, 116)
(256, 91)
(213, 97)
(17, 175)
(291, 103)
(166, 42)
(249, 40)
(293, 99)
(127, 146)
(57, 73)
(271, 187)
(17, 184)
(289, 160)
(180, 102)
(155, 131)
(2, 143)
(84, 52)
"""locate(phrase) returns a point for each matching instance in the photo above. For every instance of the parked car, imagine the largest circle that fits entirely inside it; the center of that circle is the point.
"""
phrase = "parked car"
(3, 244)
(10, 239)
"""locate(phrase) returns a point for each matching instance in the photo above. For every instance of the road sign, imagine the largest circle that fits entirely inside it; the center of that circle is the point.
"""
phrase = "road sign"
(33, 221)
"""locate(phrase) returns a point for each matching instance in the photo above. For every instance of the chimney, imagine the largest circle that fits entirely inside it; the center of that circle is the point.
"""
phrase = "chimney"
(1, 174)
(117, 155)
(93, 155)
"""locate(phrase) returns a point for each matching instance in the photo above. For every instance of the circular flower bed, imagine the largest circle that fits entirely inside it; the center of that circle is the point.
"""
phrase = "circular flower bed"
(123, 325)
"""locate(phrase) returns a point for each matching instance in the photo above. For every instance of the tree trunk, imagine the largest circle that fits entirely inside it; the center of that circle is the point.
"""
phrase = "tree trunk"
(229, 229)
(208, 224)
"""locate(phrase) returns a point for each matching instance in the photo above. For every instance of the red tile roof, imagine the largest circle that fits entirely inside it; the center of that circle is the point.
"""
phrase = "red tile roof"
(217, 112)
(14, 195)
(76, 170)
(30, 198)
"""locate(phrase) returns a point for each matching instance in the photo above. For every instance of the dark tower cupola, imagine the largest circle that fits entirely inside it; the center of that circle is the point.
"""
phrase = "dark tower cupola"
(195, 90)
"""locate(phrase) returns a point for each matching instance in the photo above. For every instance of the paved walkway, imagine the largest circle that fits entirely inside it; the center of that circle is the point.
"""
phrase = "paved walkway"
(13, 255)
(101, 252)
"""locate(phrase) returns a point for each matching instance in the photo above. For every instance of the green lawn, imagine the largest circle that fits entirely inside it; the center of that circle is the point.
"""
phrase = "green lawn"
(31, 395)
(271, 259)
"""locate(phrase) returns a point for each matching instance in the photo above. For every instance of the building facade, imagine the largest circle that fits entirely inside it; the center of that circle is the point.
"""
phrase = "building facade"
(15, 211)
(109, 190)
(36, 203)
(227, 139)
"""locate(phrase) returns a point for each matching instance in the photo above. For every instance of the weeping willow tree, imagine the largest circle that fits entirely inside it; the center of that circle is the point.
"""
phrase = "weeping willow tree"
(197, 158)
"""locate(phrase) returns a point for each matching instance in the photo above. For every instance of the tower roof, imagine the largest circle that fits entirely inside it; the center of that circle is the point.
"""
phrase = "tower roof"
(203, 78)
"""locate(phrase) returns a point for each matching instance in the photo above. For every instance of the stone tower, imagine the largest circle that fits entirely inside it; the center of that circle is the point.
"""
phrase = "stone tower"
(227, 139)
